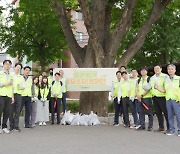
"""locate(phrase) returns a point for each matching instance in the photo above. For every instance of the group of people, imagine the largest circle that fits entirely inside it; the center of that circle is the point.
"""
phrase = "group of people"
(141, 93)
(39, 96)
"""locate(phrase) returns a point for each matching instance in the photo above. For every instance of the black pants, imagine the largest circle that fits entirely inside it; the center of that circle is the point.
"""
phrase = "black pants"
(58, 104)
(5, 103)
(15, 111)
(64, 102)
(142, 111)
(125, 103)
(160, 107)
(26, 101)
(118, 110)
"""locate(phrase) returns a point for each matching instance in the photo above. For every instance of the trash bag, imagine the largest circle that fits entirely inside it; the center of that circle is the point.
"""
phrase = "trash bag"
(76, 120)
(67, 118)
(93, 119)
(84, 119)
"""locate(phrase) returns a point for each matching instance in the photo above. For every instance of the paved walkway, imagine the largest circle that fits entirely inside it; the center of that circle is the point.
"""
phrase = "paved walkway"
(104, 139)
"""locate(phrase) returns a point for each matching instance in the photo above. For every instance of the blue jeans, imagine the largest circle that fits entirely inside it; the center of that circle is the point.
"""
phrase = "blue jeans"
(133, 106)
(173, 107)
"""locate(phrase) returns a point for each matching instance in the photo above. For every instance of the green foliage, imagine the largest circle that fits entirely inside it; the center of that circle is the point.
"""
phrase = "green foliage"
(33, 30)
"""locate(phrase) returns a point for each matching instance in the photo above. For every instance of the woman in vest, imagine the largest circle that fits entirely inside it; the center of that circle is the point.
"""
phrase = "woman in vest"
(43, 103)
(35, 91)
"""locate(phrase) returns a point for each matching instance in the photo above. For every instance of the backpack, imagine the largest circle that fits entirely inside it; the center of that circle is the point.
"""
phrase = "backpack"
(148, 79)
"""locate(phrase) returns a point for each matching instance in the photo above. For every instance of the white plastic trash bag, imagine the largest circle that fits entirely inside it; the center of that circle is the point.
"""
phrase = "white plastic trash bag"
(67, 118)
(93, 119)
(84, 119)
(76, 120)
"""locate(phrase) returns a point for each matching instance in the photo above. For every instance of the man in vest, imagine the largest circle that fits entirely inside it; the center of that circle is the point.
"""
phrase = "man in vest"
(56, 98)
(159, 101)
(144, 97)
(116, 96)
(125, 88)
(50, 80)
(6, 95)
(16, 106)
(26, 95)
(172, 89)
(63, 80)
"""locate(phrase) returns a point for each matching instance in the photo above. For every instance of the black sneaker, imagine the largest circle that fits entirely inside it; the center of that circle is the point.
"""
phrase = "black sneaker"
(11, 129)
(149, 129)
(17, 129)
(27, 126)
(141, 128)
(126, 126)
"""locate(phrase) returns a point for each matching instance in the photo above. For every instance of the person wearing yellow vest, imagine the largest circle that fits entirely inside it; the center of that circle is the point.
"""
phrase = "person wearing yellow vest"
(16, 106)
(125, 88)
(159, 101)
(56, 98)
(63, 80)
(34, 100)
(116, 96)
(6, 95)
(144, 95)
(172, 90)
(26, 96)
(43, 103)
(133, 99)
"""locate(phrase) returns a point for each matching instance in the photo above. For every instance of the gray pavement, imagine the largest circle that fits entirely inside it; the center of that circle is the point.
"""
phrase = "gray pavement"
(105, 139)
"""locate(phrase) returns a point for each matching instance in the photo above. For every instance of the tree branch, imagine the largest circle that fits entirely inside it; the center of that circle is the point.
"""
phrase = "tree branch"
(140, 38)
(76, 50)
(121, 29)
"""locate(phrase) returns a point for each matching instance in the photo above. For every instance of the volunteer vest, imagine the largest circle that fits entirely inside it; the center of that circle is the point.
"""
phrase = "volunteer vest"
(36, 90)
(141, 90)
(116, 87)
(5, 90)
(56, 88)
(17, 82)
(125, 88)
(160, 81)
(50, 79)
(63, 80)
(27, 84)
(133, 83)
(44, 92)
(172, 88)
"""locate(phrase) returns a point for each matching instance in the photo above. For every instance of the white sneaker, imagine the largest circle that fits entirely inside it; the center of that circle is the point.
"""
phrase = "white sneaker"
(137, 127)
(44, 123)
(1, 131)
(132, 126)
(6, 131)
(40, 123)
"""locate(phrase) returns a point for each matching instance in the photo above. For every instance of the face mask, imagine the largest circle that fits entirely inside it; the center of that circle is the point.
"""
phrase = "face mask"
(51, 73)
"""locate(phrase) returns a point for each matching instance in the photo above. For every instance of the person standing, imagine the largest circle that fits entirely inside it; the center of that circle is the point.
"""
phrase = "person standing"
(116, 96)
(26, 96)
(6, 95)
(159, 101)
(144, 95)
(172, 90)
(133, 99)
(63, 80)
(56, 97)
(34, 100)
(43, 103)
(16, 106)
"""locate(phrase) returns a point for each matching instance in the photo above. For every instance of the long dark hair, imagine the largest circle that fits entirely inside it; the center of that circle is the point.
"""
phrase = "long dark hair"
(37, 84)
(44, 85)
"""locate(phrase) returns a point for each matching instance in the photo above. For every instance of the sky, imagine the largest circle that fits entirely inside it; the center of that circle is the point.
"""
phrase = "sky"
(3, 3)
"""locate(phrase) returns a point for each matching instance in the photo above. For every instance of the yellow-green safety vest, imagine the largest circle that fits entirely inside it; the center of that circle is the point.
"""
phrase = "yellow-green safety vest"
(17, 83)
(160, 81)
(116, 85)
(5, 78)
(44, 92)
(172, 88)
(133, 83)
(63, 80)
(56, 88)
(141, 90)
(125, 88)
(28, 85)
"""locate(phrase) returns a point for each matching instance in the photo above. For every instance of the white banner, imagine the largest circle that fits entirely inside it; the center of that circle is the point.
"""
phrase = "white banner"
(89, 79)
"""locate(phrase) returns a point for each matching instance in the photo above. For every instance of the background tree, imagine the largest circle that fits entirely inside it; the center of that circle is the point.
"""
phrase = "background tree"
(105, 37)
(162, 44)
(33, 30)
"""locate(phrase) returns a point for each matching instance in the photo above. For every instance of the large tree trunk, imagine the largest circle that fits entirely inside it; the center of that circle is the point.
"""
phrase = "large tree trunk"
(94, 101)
